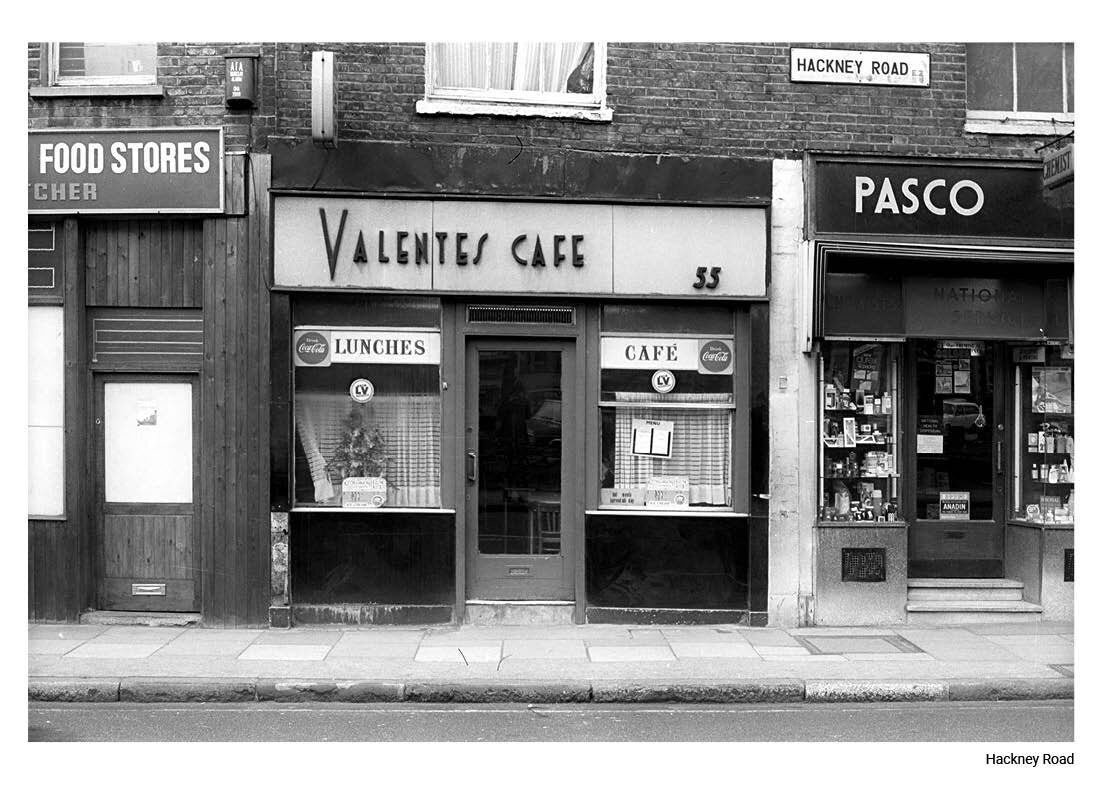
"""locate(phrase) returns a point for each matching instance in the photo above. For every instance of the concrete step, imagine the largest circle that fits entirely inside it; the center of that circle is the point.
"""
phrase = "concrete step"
(108, 618)
(961, 611)
(964, 594)
(963, 583)
(519, 613)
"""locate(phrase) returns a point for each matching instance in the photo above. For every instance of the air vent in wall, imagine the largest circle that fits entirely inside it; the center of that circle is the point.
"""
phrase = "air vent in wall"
(531, 315)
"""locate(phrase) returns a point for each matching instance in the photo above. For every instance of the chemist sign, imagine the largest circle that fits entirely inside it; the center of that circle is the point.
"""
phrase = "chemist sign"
(854, 67)
(176, 170)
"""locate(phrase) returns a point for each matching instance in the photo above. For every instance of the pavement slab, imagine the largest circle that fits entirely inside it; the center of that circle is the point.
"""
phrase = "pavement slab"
(632, 653)
(64, 631)
(366, 651)
(260, 652)
(463, 653)
(571, 649)
(113, 650)
(713, 650)
(52, 646)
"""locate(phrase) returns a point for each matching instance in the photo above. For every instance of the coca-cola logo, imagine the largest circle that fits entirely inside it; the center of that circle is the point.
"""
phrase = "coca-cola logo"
(715, 357)
(312, 348)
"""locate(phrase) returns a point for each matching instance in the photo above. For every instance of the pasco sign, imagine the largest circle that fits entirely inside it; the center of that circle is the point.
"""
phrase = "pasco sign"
(177, 170)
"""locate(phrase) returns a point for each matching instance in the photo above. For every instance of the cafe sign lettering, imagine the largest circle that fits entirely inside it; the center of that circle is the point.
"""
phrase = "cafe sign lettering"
(704, 356)
(473, 246)
(176, 170)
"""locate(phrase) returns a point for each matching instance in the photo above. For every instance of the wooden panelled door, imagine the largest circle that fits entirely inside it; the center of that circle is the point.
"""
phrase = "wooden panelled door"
(147, 492)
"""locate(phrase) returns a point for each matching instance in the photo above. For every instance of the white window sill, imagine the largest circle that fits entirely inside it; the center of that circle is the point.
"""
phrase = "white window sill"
(436, 107)
(98, 91)
(1017, 125)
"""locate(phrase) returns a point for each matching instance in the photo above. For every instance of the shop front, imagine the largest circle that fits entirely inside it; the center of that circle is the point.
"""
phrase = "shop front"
(496, 409)
(943, 327)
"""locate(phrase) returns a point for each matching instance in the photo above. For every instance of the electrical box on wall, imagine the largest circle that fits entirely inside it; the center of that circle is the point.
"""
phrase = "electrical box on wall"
(241, 81)
(323, 98)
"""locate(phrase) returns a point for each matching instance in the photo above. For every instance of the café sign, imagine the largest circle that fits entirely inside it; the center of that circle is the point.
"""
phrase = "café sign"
(519, 247)
(172, 170)
(322, 347)
(854, 67)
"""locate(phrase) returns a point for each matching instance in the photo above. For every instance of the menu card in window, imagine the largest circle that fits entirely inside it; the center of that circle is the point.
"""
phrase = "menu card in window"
(651, 438)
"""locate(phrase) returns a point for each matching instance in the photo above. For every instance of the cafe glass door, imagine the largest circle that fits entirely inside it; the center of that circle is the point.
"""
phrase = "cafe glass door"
(958, 522)
(521, 462)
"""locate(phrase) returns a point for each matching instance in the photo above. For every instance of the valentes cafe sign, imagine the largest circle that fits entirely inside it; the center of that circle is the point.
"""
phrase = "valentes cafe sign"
(418, 245)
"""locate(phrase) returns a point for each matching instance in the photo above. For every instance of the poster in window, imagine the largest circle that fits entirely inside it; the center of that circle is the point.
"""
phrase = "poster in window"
(930, 439)
(147, 412)
(943, 384)
(943, 368)
(849, 432)
(954, 505)
(1052, 389)
(962, 382)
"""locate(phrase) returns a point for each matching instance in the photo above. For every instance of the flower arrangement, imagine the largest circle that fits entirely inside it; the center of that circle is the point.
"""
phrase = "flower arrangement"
(363, 451)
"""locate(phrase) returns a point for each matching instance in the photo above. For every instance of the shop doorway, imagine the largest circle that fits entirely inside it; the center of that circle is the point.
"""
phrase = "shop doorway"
(146, 493)
(958, 526)
(522, 465)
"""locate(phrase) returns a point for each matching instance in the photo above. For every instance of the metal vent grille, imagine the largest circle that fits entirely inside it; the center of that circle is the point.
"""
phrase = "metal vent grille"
(531, 315)
(864, 565)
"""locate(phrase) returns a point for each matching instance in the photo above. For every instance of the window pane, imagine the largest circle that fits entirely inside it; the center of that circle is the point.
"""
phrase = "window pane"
(82, 59)
(147, 426)
(990, 76)
(1069, 65)
(381, 311)
(658, 457)
(860, 406)
(1040, 77)
(510, 66)
(659, 318)
(955, 467)
(1044, 435)
(46, 410)
(392, 439)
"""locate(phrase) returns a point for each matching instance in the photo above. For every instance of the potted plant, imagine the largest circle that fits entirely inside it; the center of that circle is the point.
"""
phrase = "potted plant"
(362, 451)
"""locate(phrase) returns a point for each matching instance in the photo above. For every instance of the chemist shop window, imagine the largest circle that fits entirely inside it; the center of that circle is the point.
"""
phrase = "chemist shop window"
(1024, 88)
(83, 63)
(367, 403)
(1044, 434)
(858, 459)
(550, 79)
(667, 408)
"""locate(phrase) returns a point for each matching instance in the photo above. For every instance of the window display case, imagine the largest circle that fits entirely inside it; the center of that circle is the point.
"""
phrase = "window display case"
(858, 460)
(1044, 435)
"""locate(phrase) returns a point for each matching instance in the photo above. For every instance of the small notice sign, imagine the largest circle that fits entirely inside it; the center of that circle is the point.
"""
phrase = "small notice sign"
(619, 496)
(955, 505)
(363, 492)
(670, 491)
(651, 438)
(929, 437)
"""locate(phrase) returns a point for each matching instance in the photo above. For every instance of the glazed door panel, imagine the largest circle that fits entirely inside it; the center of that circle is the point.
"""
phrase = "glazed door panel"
(521, 464)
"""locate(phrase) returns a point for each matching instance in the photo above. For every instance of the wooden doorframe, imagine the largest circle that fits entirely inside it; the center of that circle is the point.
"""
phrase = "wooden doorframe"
(99, 380)
(572, 481)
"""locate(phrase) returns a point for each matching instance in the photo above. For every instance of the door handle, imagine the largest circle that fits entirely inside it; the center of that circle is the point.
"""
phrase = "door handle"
(472, 467)
(999, 458)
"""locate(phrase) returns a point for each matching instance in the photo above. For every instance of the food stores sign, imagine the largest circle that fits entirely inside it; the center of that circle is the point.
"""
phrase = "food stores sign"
(519, 247)
(177, 170)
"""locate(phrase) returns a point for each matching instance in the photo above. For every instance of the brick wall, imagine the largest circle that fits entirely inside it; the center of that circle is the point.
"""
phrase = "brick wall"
(693, 99)
(193, 78)
(671, 98)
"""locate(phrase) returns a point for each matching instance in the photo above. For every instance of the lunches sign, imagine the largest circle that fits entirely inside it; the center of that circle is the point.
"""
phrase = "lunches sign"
(323, 347)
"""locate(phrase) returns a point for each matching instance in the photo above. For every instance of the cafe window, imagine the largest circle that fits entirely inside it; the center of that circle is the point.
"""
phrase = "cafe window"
(102, 63)
(859, 460)
(367, 404)
(1020, 88)
(561, 79)
(1044, 434)
(667, 409)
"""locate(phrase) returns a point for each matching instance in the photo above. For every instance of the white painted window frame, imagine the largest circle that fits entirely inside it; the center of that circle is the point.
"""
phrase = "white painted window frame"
(1022, 123)
(519, 103)
(56, 80)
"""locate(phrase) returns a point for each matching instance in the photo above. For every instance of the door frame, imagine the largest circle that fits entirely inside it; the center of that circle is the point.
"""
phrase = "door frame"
(98, 447)
(999, 445)
(571, 481)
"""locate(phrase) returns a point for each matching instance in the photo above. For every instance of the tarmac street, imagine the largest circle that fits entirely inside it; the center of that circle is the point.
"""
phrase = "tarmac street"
(551, 664)
(904, 722)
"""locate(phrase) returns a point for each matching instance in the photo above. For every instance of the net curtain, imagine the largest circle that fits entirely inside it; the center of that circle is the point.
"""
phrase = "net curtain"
(410, 426)
(701, 446)
(538, 67)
